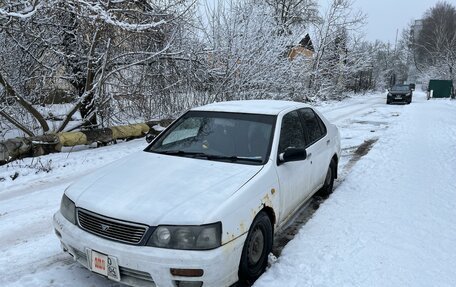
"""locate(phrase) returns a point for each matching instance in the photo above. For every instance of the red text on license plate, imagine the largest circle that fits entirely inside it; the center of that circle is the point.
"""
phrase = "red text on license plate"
(99, 262)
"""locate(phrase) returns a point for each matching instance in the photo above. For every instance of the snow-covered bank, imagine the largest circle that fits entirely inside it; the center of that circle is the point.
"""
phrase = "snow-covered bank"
(30, 254)
(73, 162)
(392, 222)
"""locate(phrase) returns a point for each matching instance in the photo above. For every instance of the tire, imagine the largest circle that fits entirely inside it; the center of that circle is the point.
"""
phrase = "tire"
(388, 102)
(257, 247)
(328, 185)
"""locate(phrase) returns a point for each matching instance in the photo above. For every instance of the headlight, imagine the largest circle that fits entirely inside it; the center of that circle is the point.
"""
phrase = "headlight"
(389, 94)
(408, 94)
(191, 237)
(68, 209)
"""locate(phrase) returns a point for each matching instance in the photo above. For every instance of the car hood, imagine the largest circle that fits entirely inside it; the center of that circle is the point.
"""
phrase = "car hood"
(155, 189)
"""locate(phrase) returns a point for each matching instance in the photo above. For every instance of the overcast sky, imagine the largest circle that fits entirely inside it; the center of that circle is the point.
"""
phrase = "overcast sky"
(386, 16)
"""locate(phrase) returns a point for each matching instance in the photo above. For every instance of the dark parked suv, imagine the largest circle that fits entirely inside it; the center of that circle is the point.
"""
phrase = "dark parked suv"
(399, 94)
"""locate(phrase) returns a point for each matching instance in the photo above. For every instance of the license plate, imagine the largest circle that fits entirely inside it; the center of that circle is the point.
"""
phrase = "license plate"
(104, 264)
(398, 98)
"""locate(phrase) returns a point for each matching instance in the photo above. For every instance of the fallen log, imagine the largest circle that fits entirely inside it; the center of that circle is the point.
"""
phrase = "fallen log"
(17, 148)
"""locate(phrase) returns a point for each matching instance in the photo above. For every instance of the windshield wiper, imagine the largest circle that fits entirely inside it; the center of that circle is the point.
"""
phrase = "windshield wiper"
(181, 152)
(233, 158)
(210, 156)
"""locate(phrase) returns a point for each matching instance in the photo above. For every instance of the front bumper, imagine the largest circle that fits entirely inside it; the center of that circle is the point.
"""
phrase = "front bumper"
(399, 99)
(149, 266)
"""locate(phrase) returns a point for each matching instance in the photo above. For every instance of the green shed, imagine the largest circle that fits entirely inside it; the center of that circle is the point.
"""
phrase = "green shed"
(441, 88)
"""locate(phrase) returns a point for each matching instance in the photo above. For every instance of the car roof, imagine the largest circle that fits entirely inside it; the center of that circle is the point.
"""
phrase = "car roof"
(267, 107)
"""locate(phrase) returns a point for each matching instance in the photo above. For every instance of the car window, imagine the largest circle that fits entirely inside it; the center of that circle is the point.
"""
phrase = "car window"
(401, 88)
(186, 129)
(235, 137)
(322, 125)
(314, 127)
(291, 133)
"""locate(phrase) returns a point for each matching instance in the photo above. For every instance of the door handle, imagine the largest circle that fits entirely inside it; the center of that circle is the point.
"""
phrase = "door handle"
(328, 141)
(309, 155)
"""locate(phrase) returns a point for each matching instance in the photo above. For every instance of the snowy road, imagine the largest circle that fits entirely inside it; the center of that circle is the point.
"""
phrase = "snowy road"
(30, 254)
(392, 222)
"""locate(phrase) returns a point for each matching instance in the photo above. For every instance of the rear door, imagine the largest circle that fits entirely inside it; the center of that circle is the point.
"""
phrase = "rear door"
(317, 147)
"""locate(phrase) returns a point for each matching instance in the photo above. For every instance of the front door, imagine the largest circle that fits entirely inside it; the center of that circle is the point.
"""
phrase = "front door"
(294, 177)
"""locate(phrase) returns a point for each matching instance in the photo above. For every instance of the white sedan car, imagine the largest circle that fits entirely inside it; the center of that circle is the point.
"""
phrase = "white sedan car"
(200, 205)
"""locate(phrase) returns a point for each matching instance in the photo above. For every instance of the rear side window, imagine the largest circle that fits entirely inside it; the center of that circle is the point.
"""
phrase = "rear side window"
(291, 133)
(314, 127)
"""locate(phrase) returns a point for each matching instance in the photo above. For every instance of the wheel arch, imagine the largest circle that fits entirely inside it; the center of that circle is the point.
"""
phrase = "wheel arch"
(271, 214)
(249, 273)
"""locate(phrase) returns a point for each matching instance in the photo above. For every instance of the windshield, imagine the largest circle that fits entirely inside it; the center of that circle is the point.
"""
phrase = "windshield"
(234, 137)
(401, 88)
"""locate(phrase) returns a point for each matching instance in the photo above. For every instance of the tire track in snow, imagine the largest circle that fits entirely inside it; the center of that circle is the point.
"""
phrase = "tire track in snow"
(288, 233)
(336, 116)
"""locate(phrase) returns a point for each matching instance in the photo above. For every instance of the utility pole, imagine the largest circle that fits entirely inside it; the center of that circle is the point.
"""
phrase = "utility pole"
(395, 42)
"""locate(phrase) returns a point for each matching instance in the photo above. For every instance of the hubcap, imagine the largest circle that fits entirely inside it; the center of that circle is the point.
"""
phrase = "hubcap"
(256, 245)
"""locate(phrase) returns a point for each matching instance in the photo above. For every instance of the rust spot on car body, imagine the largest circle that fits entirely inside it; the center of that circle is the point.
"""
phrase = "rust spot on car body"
(266, 201)
(242, 227)
(254, 213)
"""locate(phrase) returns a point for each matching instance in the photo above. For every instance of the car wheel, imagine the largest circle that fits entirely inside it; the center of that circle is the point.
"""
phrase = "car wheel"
(257, 247)
(387, 102)
(328, 185)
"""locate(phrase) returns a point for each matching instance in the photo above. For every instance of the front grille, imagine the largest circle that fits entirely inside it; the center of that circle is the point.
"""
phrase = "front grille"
(111, 228)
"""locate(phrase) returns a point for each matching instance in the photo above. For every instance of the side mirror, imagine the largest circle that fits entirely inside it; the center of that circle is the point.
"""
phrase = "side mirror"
(292, 154)
(149, 137)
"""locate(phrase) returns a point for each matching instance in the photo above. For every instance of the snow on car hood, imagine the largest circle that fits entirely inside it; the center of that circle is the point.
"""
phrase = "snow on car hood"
(157, 189)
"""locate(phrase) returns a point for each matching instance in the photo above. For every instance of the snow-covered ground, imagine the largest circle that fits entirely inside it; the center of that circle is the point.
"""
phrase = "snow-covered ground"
(390, 222)
(53, 114)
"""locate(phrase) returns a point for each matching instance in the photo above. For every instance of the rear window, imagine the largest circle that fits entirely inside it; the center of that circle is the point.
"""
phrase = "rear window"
(401, 88)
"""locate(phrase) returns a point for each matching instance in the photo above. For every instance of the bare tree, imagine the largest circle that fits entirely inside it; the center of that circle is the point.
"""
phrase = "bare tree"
(436, 43)
(338, 24)
(288, 13)
(246, 58)
(81, 47)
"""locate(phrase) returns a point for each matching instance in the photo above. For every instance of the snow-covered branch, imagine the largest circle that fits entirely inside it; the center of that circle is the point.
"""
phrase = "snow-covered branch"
(27, 9)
